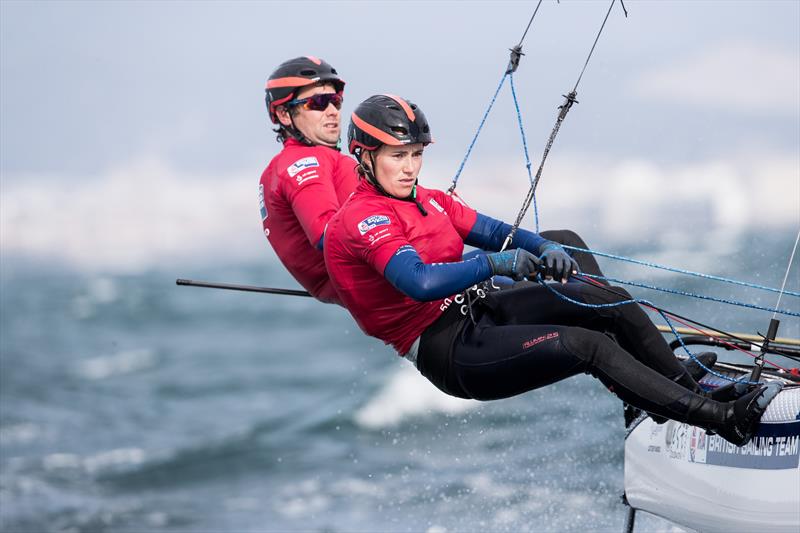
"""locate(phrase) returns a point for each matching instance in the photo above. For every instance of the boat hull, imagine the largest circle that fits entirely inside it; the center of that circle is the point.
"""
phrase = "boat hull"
(701, 481)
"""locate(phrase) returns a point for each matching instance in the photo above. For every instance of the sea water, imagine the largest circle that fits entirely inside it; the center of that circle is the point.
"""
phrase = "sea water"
(128, 403)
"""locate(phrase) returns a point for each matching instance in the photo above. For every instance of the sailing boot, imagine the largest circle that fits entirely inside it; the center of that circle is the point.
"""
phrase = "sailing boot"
(695, 368)
(734, 421)
(725, 393)
(687, 378)
(729, 392)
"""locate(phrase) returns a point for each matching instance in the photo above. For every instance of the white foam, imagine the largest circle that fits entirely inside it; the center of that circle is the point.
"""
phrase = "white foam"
(302, 499)
(57, 461)
(358, 487)
(101, 291)
(485, 486)
(125, 362)
(20, 433)
(405, 395)
(120, 457)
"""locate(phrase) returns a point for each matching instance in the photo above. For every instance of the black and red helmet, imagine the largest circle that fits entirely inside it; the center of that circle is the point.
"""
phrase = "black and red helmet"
(386, 119)
(294, 74)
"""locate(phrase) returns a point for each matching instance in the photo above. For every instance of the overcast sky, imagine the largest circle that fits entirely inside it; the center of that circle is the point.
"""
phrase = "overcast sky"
(169, 93)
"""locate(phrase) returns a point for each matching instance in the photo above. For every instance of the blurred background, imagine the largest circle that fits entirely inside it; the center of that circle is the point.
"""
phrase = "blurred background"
(132, 138)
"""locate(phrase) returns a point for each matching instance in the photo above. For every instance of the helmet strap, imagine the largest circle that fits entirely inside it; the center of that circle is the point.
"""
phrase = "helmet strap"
(295, 132)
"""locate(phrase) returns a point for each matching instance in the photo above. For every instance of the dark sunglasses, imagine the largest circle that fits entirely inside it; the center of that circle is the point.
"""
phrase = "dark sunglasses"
(318, 102)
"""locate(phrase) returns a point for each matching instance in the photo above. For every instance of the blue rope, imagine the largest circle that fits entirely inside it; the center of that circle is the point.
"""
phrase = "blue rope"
(693, 295)
(696, 360)
(525, 149)
(680, 271)
(480, 127)
(664, 316)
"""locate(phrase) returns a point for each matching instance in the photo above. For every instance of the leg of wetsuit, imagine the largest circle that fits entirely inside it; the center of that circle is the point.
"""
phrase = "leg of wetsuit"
(586, 261)
(631, 327)
(492, 361)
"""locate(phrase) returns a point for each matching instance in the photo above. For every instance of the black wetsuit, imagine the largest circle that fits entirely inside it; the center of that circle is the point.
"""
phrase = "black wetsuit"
(522, 338)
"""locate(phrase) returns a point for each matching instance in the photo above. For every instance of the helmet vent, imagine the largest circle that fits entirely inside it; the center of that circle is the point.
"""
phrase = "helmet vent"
(399, 130)
(308, 72)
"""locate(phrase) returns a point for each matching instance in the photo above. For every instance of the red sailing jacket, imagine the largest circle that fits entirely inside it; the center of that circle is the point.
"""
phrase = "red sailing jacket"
(367, 232)
(300, 190)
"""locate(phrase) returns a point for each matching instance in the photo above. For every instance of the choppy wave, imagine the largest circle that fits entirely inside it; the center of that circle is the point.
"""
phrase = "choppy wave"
(407, 394)
(121, 363)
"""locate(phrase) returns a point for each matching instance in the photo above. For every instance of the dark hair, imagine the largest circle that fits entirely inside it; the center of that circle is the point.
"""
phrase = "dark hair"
(282, 132)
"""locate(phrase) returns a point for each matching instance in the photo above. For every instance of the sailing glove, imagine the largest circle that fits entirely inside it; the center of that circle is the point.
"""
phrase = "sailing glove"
(518, 264)
(557, 262)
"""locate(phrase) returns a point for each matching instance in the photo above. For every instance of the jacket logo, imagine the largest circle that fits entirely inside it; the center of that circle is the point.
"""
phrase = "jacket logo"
(302, 164)
(372, 222)
(537, 340)
(261, 203)
(435, 204)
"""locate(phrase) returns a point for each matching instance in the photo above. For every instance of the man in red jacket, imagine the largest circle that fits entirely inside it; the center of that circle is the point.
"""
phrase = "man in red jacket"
(305, 184)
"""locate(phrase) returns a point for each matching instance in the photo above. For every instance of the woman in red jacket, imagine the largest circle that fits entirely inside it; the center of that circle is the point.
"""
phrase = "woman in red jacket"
(394, 255)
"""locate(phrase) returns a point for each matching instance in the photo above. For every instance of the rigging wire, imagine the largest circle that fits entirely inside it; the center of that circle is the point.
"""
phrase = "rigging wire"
(589, 278)
(694, 295)
(452, 187)
(570, 99)
(626, 300)
(513, 63)
(679, 270)
(786, 275)
(529, 23)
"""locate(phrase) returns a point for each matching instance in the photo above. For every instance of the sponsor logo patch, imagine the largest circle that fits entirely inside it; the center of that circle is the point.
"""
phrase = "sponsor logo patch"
(302, 164)
(378, 235)
(435, 204)
(537, 340)
(372, 222)
(403, 249)
(262, 205)
(305, 176)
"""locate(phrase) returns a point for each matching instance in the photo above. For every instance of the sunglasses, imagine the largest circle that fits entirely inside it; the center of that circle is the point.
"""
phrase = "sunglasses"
(318, 102)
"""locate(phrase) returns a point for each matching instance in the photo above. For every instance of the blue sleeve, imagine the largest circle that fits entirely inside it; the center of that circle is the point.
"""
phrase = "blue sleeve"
(489, 233)
(425, 283)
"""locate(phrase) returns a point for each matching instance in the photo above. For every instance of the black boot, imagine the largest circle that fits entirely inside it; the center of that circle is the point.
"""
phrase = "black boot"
(687, 382)
(735, 421)
(706, 359)
(726, 393)
(692, 371)
(730, 392)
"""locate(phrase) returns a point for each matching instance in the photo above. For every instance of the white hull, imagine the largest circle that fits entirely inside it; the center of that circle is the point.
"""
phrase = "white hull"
(702, 482)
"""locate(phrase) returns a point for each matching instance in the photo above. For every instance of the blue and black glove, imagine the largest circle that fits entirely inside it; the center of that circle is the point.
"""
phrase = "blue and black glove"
(518, 264)
(558, 264)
